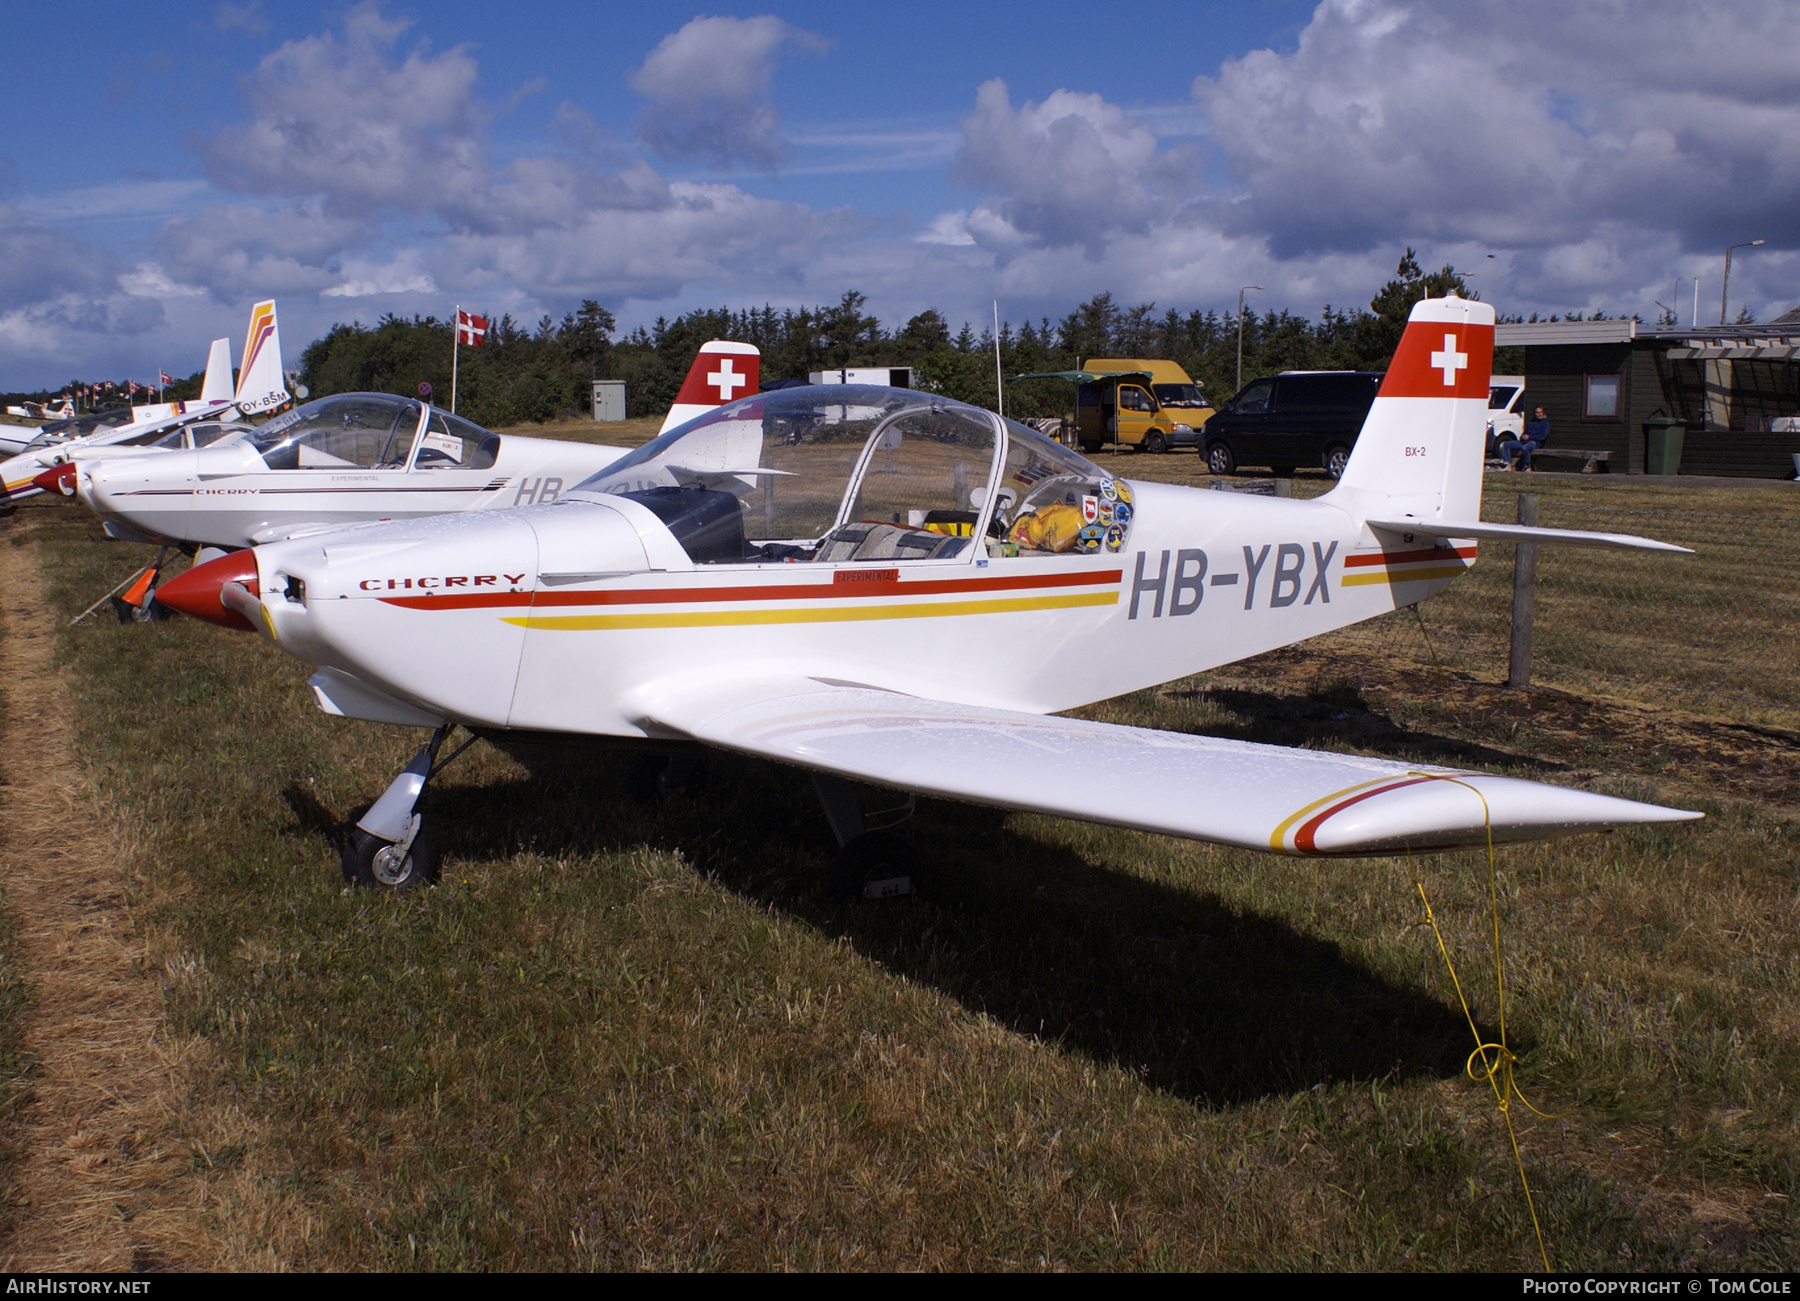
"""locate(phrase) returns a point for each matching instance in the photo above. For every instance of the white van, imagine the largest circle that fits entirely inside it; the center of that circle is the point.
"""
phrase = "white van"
(1505, 417)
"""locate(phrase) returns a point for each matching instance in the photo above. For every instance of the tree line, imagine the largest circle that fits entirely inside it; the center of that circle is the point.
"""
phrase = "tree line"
(536, 373)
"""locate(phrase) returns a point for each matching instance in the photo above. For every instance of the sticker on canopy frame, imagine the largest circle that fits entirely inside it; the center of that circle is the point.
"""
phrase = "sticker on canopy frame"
(1092, 538)
(1123, 490)
(1115, 537)
(1090, 509)
(1109, 490)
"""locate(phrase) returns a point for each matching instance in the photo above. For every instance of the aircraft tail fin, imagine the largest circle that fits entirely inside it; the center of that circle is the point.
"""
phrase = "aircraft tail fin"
(1421, 448)
(217, 385)
(260, 386)
(722, 371)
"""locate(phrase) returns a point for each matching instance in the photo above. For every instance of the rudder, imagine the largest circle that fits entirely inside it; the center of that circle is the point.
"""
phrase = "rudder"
(1421, 448)
(260, 386)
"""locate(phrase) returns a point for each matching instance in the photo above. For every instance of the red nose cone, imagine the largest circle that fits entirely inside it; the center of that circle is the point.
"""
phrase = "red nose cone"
(60, 479)
(196, 593)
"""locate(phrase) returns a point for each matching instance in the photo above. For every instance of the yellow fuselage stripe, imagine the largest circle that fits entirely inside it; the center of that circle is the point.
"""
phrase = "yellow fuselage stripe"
(1404, 576)
(829, 614)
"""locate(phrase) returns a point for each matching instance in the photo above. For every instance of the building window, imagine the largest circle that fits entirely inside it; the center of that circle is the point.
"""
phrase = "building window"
(1602, 397)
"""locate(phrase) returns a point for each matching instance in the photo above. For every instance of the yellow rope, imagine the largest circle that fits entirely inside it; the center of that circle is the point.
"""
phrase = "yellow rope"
(1437, 669)
(1497, 1071)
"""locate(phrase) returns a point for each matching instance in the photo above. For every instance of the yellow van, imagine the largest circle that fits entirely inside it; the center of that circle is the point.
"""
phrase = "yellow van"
(1138, 402)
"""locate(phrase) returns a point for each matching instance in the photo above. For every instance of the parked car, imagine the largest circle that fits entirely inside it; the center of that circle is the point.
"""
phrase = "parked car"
(1292, 419)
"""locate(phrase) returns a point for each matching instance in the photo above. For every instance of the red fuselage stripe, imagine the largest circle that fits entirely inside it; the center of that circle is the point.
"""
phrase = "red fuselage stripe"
(1409, 557)
(761, 592)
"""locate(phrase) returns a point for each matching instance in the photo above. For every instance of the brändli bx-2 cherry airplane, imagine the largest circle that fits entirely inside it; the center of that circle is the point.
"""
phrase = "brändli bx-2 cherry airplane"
(350, 458)
(886, 586)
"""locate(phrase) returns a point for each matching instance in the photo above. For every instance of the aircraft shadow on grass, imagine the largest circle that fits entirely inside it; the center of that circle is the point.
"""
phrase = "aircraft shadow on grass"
(1341, 714)
(1193, 994)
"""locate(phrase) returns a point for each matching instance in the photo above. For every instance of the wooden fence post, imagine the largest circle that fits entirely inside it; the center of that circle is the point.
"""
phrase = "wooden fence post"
(1524, 595)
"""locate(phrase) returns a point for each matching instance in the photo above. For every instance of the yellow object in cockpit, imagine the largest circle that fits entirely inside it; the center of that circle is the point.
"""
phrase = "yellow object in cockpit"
(1053, 528)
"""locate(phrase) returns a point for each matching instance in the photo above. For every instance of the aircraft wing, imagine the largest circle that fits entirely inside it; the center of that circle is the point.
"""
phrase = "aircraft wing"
(1264, 797)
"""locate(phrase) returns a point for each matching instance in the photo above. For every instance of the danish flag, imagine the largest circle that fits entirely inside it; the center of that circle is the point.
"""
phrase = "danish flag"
(165, 378)
(470, 328)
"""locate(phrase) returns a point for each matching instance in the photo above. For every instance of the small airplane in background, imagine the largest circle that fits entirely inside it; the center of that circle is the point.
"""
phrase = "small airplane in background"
(128, 430)
(64, 410)
(351, 458)
(216, 394)
(884, 586)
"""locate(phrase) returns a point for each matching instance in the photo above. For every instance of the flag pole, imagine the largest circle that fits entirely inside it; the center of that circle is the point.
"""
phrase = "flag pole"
(455, 338)
(999, 382)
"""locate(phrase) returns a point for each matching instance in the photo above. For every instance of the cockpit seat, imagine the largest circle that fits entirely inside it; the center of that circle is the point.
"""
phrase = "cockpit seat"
(869, 541)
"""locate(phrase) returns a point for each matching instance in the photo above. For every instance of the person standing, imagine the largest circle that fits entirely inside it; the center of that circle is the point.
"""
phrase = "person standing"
(1537, 433)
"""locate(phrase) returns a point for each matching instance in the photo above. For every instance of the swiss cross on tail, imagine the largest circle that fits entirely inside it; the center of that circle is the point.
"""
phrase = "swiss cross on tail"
(722, 372)
(1441, 359)
(1418, 457)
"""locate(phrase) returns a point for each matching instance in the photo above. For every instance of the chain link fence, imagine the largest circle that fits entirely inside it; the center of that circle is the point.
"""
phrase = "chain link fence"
(1716, 631)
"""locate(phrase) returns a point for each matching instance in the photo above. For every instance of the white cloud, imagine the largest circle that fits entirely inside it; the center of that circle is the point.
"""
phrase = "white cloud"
(1537, 127)
(341, 117)
(708, 87)
(239, 249)
(148, 280)
(1071, 170)
(947, 228)
(402, 275)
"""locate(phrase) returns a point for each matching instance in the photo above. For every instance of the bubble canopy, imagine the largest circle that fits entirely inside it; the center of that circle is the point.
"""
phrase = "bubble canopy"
(854, 472)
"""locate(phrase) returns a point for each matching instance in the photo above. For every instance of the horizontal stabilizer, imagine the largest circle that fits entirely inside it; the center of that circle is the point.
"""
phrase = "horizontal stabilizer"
(1263, 797)
(1437, 528)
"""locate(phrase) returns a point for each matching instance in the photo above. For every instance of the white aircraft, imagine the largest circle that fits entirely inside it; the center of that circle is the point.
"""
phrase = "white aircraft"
(903, 599)
(42, 411)
(337, 461)
(215, 398)
(144, 428)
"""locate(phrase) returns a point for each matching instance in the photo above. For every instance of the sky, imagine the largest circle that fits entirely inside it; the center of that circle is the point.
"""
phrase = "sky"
(163, 166)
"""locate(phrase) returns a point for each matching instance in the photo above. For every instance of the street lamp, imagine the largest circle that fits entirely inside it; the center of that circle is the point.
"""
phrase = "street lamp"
(1725, 289)
(1240, 378)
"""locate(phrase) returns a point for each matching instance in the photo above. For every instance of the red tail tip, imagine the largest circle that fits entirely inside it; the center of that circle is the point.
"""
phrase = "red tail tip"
(196, 593)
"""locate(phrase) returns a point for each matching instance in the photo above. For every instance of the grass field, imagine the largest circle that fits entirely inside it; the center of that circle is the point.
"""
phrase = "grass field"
(629, 1032)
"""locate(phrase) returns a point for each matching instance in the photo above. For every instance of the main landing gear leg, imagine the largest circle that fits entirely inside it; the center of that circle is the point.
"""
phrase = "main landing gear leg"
(389, 849)
(869, 864)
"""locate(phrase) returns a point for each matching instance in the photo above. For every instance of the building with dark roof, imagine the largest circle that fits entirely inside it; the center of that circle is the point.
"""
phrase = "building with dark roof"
(1737, 387)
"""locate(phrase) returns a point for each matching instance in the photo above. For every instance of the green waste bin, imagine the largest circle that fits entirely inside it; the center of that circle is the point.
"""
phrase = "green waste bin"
(1663, 436)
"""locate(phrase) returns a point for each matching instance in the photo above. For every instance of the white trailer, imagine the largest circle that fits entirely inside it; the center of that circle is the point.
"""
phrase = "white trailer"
(891, 376)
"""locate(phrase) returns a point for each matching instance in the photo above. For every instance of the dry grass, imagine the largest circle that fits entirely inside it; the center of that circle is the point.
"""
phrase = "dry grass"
(100, 1180)
(113, 1168)
(629, 1033)
(613, 433)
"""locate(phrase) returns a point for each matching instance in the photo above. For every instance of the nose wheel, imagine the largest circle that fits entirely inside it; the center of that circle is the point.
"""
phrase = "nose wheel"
(376, 864)
(389, 849)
